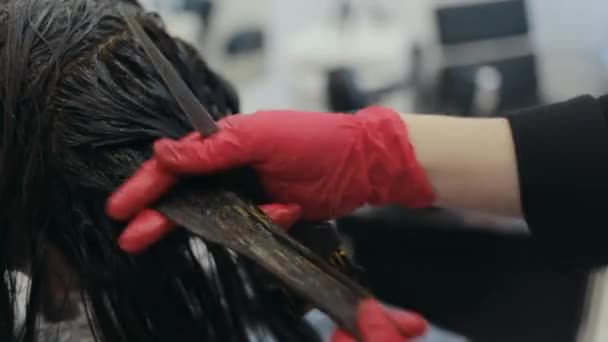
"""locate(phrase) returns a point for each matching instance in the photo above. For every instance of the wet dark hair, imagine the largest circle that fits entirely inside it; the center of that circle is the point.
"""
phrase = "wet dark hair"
(81, 107)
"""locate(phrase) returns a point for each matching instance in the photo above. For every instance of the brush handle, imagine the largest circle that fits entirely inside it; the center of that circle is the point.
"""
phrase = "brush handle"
(224, 218)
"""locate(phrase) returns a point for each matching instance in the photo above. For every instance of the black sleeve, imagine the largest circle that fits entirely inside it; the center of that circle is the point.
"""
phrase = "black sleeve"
(562, 155)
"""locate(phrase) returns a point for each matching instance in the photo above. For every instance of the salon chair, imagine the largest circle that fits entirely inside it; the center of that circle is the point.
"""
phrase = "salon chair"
(484, 61)
(345, 93)
(482, 64)
(469, 278)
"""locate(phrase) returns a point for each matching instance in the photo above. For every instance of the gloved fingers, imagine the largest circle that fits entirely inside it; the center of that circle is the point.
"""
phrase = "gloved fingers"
(144, 230)
(378, 324)
(142, 188)
(283, 215)
(409, 323)
(219, 152)
(146, 186)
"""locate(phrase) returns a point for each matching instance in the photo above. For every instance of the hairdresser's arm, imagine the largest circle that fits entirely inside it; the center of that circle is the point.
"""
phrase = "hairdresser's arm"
(549, 163)
(470, 162)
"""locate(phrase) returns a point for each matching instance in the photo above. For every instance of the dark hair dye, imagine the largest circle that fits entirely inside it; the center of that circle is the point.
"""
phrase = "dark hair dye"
(81, 107)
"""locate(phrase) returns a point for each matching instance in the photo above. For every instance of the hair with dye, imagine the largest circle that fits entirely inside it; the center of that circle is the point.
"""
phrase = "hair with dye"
(81, 107)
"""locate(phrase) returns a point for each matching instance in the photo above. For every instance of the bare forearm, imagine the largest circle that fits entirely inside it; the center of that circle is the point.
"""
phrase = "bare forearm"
(470, 161)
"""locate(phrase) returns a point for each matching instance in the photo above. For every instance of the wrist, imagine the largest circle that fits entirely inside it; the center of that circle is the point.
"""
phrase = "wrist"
(470, 161)
(394, 172)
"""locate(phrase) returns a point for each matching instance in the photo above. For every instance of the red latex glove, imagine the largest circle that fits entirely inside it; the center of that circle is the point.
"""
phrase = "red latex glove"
(377, 324)
(325, 165)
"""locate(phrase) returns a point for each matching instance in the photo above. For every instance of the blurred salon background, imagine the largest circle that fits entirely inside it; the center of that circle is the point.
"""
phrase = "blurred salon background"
(480, 58)
(417, 55)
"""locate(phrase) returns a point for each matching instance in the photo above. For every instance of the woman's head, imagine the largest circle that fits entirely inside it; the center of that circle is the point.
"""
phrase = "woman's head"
(80, 102)
(80, 108)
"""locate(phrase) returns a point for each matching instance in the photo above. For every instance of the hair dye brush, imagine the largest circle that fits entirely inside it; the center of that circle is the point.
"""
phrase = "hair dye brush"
(235, 223)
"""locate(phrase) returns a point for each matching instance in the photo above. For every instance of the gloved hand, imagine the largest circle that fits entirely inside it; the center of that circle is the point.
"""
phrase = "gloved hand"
(378, 324)
(323, 165)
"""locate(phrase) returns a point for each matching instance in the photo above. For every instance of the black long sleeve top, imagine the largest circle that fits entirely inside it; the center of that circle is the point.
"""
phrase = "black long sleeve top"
(562, 155)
